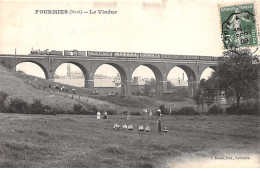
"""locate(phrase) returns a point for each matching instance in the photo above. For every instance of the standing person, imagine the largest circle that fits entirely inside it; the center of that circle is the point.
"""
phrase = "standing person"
(159, 125)
(128, 116)
(105, 115)
(98, 115)
(151, 113)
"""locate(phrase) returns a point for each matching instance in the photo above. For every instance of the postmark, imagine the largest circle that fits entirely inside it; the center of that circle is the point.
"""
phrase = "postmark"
(238, 24)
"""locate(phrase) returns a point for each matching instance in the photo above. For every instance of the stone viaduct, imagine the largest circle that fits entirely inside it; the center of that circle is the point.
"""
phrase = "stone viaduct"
(125, 64)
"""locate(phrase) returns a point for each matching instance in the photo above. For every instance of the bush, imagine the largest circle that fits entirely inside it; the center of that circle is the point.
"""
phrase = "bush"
(58, 111)
(92, 110)
(215, 110)
(77, 109)
(173, 112)
(249, 108)
(164, 110)
(111, 112)
(36, 107)
(3, 98)
(18, 106)
(186, 111)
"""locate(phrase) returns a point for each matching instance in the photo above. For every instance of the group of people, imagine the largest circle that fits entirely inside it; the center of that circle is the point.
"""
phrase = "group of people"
(63, 88)
(141, 127)
(99, 115)
(159, 122)
(130, 127)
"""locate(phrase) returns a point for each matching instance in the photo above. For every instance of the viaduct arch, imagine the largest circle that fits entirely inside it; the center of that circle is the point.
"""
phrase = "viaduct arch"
(81, 67)
(42, 65)
(125, 79)
(192, 65)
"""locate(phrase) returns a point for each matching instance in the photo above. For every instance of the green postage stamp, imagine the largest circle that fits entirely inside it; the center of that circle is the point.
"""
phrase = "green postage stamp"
(238, 26)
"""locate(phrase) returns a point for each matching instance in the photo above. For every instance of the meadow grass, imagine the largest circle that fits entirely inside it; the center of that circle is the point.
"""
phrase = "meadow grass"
(18, 85)
(83, 141)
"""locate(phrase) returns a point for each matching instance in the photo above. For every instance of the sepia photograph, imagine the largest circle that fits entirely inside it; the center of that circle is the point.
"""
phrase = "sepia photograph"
(130, 84)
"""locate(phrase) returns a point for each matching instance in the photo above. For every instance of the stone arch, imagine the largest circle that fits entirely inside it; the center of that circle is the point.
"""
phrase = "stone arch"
(190, 73)
(123, 74)
(81, 67)
(204, 68)
(158, 77)
(44, 69)
(192, 83)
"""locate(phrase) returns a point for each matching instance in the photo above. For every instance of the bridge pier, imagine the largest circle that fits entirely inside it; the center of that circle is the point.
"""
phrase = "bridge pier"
(126, 88)
(89, 84)
(192, 85)
(160, 87)
(193, 79)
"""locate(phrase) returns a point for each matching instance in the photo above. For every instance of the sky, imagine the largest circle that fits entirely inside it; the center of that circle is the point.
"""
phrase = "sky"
(181, 27)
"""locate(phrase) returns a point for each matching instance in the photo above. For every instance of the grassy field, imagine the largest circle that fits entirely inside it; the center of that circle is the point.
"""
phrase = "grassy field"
(83, 141)
(19, 85)
(26, 87)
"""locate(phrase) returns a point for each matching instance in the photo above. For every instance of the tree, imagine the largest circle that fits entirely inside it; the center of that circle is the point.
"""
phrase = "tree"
(237, 75)
(149, 85)
(3, 98)
(200, 94)
(211, 91)
(198, 98)
(36, 107)
(205, 93)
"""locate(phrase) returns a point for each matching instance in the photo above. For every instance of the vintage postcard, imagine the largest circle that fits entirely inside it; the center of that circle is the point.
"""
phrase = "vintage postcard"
(129, 84)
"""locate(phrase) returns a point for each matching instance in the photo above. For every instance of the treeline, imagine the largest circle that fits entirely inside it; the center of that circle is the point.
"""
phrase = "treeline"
(236, 78)
(246, 108)
(17, 105)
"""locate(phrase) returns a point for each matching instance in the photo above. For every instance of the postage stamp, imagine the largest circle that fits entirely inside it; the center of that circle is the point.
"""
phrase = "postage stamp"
(239, 28)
